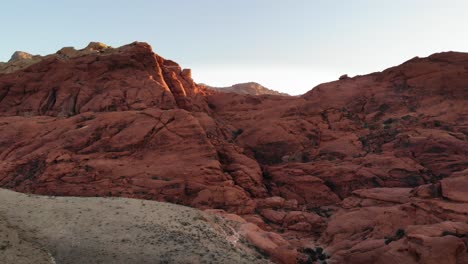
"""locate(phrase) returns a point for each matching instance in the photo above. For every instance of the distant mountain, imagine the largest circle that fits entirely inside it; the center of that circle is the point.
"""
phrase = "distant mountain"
(21, 60)
(251, 88)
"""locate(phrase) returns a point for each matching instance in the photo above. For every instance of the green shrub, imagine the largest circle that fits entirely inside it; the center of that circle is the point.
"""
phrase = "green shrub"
(236, 133)
(317, 255)
(388, 121)
(384, 107)
(267, 175)
(406, 117)
(400, 233)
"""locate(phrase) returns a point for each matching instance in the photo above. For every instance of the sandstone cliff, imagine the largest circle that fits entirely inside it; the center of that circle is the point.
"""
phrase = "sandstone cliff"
(364, 169)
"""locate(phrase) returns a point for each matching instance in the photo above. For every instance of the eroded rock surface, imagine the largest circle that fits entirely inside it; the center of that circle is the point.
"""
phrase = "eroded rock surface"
(362, 169)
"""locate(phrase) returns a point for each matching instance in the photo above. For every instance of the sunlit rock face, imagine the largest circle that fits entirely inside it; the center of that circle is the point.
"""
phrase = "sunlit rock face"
(251, 88)
(363, 169)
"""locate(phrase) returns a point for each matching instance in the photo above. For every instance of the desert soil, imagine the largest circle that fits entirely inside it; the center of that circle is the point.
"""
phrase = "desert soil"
(44, 229)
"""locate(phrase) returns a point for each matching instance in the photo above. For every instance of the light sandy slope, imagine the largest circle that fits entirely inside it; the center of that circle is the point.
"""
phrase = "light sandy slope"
(14, 249)
(112, 230)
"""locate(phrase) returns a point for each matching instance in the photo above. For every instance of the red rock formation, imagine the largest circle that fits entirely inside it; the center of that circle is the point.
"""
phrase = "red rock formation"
(371, 168)
(396, 225)
(128, 78)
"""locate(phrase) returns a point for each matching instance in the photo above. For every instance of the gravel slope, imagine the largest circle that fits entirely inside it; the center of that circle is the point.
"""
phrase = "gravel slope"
(112, 230)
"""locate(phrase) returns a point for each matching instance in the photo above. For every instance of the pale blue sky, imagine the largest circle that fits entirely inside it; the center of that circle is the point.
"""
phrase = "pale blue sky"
(286, 45)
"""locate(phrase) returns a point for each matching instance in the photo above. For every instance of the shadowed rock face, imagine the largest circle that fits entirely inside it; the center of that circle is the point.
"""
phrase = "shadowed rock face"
(326, 169)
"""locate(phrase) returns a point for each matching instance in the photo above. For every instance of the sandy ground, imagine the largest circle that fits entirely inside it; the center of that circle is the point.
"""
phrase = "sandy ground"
(14, 249)
(41, 229)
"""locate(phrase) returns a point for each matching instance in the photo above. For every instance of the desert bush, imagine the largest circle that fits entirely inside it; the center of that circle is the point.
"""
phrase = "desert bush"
(317, 255)
(399, 234)
(383, 107)
(236, 133)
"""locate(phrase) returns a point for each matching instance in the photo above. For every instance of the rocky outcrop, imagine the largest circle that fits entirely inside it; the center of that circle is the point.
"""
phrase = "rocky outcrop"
(20, 55)
(356, 170)
(250, 88)
(20, 59)
(455, 187)
(97, 79)
(397, 225)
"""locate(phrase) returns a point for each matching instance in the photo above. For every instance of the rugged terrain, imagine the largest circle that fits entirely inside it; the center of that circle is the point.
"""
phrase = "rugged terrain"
(114, 230)
(251, 88)
(366, 169)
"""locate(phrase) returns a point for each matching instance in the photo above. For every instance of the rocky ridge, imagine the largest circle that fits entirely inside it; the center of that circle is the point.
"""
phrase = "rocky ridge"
(304, 173)
(251, 88)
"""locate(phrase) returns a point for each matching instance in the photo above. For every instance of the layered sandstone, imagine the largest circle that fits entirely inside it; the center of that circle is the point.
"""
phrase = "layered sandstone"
(357, 170)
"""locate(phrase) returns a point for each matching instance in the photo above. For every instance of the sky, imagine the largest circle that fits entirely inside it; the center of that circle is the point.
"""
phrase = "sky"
(289, 46)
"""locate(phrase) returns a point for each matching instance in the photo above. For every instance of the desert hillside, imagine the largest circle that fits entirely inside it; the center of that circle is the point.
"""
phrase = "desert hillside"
(369, 169)
(45, 229)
